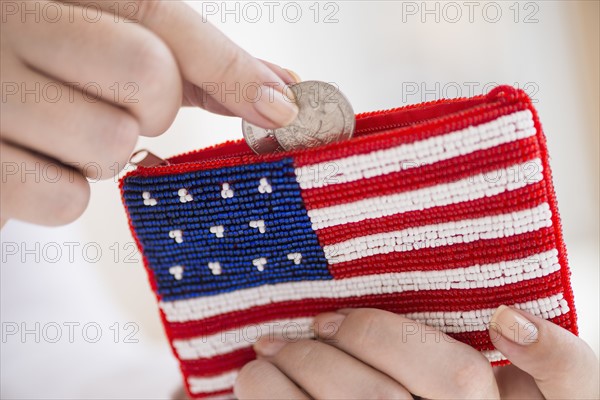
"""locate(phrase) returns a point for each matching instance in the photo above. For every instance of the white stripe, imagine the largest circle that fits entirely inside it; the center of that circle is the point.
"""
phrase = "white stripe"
(493, 355)
(467, 189)
(446, 321)
(506, 129)
(489, 275)
(235, 339)
(215, 383)
(478, 320)
(445, 234)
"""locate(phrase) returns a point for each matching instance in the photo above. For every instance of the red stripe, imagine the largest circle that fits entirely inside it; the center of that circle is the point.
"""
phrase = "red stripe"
(218, 365)
(413, 178)
(509, 201)
(458, 255)
(405, 302)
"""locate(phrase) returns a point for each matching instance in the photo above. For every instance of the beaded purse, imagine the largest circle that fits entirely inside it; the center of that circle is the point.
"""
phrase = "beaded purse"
(440, 211)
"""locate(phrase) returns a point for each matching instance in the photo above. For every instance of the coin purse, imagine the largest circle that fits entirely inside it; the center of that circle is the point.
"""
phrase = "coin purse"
(440, 212)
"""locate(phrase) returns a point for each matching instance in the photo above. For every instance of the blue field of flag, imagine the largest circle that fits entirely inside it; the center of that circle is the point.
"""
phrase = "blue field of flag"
(228, 229)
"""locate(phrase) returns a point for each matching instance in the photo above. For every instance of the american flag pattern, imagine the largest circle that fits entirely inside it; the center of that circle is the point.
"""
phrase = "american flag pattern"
(440, 212)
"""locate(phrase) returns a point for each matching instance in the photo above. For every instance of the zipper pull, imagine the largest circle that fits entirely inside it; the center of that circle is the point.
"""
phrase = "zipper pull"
(146, 159)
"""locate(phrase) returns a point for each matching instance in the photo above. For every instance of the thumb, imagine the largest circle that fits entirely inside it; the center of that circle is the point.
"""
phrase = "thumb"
(562, 365)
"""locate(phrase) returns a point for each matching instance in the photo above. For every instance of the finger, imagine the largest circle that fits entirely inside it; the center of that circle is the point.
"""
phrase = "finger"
(194, 96)
(119, 62)
(562, 364)
(208, 59)
(514, 383)
(260, 379)
(92, 136)
(427, 362)
(287, 76)
(40, 190)
(325, 372)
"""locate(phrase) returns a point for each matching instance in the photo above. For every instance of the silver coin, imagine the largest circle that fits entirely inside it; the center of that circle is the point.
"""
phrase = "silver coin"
(325, 116)
(260, 140)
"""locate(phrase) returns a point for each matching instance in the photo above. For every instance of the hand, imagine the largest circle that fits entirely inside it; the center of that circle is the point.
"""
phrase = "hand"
(363, 354)
(80, 84)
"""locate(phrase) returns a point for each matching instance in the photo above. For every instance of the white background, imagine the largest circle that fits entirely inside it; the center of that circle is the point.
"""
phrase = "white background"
(373, 52)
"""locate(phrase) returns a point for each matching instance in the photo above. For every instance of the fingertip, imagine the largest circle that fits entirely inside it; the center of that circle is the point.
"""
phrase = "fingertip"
(562, 364)
(293, 77)
(327, 324)
(267, 346)
(276, 107)
(286, 75)
(493, 326)
(514, 326)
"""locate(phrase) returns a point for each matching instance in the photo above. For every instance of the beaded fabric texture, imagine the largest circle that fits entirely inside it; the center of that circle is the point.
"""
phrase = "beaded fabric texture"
(440, 212)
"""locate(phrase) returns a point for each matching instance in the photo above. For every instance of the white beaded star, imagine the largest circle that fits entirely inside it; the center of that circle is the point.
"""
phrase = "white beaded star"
(264, 186)
(184, 196)
(176, 234)
(259, 263)
(296, 257)
(148, 200)
(177, 272)
(217, 230)
(258, 224)
(226, 191)
(215, 267)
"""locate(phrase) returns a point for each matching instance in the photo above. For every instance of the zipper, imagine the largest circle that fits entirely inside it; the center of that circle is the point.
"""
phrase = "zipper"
(147, 159)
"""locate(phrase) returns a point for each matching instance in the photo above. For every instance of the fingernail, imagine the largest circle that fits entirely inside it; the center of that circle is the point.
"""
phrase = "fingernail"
(276, 106)
(514, 326)
(333, 318)
(294, 76)
(327, 324)
(268, 347)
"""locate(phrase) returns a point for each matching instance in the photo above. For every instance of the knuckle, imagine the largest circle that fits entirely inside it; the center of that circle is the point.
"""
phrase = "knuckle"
(157, 84)
(301, 353)
(113, 147)
(69, 203)
(368, 325)
(144, 10)
(232, 64)
(122, 141)
(472, 375)
(254, 371)
(388, 391)
(154, 62)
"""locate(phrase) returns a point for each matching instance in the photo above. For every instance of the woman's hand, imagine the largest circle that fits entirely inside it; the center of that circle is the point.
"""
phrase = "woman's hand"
(81, 80)
(374, 354)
